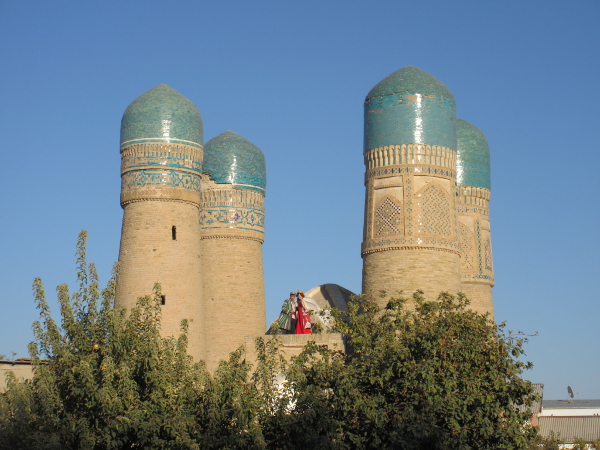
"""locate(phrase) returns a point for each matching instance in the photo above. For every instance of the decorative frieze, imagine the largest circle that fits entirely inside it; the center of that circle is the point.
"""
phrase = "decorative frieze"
(411, 154)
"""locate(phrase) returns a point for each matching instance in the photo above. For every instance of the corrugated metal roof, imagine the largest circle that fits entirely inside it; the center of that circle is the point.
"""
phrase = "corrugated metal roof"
(571, 427)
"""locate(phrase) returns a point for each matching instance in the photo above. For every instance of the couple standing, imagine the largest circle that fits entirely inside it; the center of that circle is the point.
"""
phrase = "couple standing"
(294, 319)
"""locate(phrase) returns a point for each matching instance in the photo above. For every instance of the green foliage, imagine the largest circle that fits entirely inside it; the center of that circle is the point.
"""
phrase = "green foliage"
(552, 442)
(105, 379)
(579, 444)
(438, 377)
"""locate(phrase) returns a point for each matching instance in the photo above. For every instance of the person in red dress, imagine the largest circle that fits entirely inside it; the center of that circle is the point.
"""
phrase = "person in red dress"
(302, 317)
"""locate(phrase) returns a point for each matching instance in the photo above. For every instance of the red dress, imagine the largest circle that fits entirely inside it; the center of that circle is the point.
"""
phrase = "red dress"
(302, 321)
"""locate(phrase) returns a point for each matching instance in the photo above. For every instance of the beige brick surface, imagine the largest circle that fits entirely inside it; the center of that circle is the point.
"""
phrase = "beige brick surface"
(477, 271)
(410, 238)
(234, 294)
(408, 270)
(292, 344)
(149, 255)
(480, 295)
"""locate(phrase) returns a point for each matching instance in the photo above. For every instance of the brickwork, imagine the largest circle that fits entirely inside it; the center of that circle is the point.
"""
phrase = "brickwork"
(477, 271)
(292, 344)
(234, 294)
(480, 295)
(231, 212)
(160, 171)
(410, 234)
(410, 238)
(153, 252)
(431, 270)
(231, 237)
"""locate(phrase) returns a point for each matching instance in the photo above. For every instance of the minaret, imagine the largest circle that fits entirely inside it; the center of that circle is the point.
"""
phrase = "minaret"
(232, 221)
(410, 232)
(473, 177)
(161, 164)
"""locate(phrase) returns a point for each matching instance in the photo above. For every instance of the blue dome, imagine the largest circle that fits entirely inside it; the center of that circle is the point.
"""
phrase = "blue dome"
(229, 158)
(410, 107)
(162, 115)
(473, 156)
(410, 80)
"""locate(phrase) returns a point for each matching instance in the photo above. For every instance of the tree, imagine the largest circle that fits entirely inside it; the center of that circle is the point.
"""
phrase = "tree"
(105, 379)
(436, 377)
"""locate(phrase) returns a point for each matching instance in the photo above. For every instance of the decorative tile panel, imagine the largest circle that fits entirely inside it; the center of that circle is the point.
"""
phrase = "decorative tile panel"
(152, 177)
(467, 249)
(147, 155)
(435, 215)
(388, 217)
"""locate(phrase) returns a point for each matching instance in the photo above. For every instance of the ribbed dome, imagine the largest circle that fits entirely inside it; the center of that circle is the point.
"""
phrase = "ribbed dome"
(229, 158)
(162, 115)
(410, 80)
(473, 156)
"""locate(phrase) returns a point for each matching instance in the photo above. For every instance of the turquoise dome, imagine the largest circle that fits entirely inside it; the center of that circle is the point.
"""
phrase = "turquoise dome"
(229, 158)
(410, 107)
(410, 80)
(162, 115)
(473, 156)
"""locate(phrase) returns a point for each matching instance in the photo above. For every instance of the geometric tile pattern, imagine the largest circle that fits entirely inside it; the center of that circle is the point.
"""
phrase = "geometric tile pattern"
(435, 211)
(174, 178)
(488, 255)
(388, 217)
(239, 218)
(467, 249)
(162, 159)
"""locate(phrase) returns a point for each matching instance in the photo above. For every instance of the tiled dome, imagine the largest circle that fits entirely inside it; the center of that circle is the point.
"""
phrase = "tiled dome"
(229, 158)
(410, 107)
(162, 115)
(410, 80)
(473, 156)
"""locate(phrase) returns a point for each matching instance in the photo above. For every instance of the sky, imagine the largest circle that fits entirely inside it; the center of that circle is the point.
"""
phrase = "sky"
(291, 77)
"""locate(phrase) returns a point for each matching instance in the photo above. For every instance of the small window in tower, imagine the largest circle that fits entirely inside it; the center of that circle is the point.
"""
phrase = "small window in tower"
(163, 299)
(174, 232)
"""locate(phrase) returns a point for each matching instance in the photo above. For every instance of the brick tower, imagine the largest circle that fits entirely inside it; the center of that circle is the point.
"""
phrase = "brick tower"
(161, 165)
(410, 231)
(473, 178)
(232, 220)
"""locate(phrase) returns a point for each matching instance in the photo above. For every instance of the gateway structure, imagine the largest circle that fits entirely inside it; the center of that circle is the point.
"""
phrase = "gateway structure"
(194, 212)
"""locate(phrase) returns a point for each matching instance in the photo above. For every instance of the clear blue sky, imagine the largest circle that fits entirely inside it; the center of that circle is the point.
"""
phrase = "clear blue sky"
(291, 77)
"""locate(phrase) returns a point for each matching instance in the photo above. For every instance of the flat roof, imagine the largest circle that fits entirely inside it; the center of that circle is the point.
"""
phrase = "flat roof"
(570, 404)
